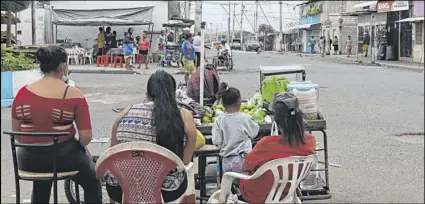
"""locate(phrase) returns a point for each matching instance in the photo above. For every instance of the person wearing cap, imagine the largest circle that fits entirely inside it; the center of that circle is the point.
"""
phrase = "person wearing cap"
(292, 141)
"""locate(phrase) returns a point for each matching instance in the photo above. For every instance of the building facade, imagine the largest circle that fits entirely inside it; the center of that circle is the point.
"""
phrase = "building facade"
(309, 24)
(334, 23)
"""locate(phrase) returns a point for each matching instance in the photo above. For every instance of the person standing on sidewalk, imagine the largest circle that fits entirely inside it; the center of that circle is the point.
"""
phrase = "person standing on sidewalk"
(348, 45)
(100, 42)
(335, 45)
(188, 57)
(366, 42)
(197, 45)
(143, 50)
(312, 43)
(322, 46)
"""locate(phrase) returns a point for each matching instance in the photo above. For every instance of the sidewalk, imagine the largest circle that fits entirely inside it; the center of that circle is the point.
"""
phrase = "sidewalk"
(411, 66)
(92, 69)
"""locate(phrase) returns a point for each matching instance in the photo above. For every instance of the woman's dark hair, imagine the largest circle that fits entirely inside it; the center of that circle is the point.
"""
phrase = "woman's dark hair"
(100, 29)
(230, 96)
(50, 58)
(168, 122)
(288, 118)
(129, 30)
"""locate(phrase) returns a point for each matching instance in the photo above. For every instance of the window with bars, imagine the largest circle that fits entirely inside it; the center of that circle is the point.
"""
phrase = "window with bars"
(418, 33)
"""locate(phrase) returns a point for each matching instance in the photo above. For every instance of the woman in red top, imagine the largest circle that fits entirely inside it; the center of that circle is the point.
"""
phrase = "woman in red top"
(292, 142)
(50, 105)
(144, 50)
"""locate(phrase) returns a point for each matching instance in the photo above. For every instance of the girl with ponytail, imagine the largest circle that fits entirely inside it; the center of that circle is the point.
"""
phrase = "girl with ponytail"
(160, 121)
(292, 141)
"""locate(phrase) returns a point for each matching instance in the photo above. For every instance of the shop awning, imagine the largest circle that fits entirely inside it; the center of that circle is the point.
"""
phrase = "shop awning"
(302, 27)
(369, 6)
(411, 19)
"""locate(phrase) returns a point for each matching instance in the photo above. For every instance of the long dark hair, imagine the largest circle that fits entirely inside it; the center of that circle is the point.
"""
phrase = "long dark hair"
(288, 118)
(168, 122)
(230, 96)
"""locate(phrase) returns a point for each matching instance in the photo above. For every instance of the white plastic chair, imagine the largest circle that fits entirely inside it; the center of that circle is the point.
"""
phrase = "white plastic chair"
(308, 162)
(141, 168)
(88, 55)
(72, 55)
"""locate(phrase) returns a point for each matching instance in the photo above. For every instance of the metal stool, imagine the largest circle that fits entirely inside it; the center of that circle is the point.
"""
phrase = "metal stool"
(35, 176)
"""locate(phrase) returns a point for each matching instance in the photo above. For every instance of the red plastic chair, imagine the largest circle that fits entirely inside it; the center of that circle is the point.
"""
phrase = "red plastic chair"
(116, 59)
(141, 168)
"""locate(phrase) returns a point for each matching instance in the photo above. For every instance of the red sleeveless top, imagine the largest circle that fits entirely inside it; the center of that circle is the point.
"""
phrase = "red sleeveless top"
(40, 114)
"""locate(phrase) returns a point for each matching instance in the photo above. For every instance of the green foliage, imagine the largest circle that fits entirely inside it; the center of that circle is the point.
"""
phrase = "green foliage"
(11, 61)
(313, 11)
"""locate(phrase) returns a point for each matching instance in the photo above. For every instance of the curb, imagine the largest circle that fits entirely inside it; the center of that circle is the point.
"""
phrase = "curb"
(91, 71)
(383, 65)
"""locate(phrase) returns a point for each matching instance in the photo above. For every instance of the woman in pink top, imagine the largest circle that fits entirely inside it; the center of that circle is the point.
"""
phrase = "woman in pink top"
(348, 46)
(144, 50)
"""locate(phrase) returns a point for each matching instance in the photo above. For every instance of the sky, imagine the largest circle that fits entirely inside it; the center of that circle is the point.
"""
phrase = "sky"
(217, 17)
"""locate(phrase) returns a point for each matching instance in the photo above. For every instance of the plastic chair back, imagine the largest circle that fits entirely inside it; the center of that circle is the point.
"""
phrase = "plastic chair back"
(140, 168)
(289, 170)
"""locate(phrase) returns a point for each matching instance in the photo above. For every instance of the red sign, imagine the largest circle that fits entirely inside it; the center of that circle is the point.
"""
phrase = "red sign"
(389, 6)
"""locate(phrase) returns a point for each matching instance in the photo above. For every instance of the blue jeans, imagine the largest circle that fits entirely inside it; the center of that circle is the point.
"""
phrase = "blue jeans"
(312, 48)
(231, 164)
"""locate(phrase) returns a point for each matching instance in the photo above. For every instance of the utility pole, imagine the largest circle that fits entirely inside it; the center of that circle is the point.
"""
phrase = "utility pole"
(186, 9)
(228, 25)
(33, 21)
(280, 26)
(9, 28)
(327, 45)
(256, 20)
(242, 9)
(198, 16)
(234, 18)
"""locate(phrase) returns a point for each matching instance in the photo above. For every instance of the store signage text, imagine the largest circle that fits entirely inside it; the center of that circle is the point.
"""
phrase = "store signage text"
(389, 6)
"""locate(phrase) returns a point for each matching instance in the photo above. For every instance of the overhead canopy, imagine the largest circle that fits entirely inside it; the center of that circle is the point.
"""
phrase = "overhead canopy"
(14, 6)
(176, 24)
(369, 6)
(4, 19)
(104, 17)
(303, 26)
(411, 19)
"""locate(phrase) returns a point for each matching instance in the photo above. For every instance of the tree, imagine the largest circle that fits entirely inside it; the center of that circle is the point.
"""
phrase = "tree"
(265, 29)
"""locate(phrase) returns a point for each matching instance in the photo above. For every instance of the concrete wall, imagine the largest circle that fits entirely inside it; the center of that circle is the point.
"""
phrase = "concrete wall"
(12, 82)
(25, 26)
(418, 49)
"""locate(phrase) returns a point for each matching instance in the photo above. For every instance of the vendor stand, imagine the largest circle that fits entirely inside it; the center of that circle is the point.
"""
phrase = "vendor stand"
(315, 187)
(171, 51)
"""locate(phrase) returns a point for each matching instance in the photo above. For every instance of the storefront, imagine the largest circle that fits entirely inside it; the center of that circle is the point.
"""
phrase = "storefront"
(397, 32)
(417, 22)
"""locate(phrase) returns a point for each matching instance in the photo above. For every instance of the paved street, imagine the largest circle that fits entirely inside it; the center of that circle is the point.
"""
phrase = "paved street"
(365, 107)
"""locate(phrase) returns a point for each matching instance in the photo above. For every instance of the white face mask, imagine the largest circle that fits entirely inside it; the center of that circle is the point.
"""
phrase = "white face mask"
(65, 79)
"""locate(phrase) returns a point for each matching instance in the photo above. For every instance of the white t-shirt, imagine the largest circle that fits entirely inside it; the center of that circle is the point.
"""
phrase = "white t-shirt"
(197, 43)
